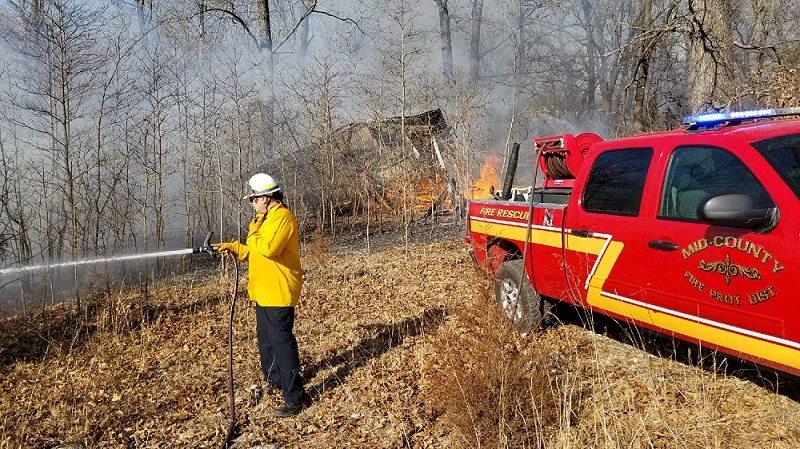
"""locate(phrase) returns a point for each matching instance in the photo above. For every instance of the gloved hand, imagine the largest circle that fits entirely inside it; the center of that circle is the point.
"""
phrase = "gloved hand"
(255, 223)
(227, 247)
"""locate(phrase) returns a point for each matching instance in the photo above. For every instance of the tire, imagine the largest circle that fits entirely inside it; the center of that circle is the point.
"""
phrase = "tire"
(522, 306)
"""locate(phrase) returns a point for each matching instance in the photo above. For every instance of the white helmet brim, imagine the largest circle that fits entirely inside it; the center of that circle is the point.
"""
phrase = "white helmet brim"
(262, 184)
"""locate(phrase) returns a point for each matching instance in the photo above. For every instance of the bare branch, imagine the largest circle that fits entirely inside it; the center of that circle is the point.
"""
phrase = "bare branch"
(312, 9)
(235, 17)
(759, 48)
(8, 283)
(343, 19)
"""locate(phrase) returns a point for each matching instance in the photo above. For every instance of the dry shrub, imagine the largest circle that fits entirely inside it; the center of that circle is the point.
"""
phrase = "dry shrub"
(318, 249)
(122, 312)
(495, 387)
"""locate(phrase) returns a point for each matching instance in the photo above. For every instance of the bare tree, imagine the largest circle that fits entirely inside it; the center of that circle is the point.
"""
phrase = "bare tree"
(63, 63)
(14, 228)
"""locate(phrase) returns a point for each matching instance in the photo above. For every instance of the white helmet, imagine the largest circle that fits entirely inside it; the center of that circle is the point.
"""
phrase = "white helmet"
(262, 184)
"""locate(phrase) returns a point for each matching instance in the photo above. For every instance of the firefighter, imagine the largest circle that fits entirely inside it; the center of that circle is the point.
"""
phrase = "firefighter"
(272, 250)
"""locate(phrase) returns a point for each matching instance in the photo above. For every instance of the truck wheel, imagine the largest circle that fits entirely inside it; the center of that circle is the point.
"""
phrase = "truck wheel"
(521, 305)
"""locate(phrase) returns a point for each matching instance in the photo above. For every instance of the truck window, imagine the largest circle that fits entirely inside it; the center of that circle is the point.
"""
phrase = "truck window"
(698, 173)
(616, 182)
(783, 153)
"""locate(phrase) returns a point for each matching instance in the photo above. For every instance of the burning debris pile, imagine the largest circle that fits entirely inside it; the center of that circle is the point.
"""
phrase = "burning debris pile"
(386, 162)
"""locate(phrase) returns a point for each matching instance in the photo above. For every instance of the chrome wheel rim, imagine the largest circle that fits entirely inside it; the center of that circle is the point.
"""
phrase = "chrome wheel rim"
(509, 300)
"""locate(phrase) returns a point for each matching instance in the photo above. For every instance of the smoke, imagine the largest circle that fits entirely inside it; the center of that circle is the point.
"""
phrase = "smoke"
(174, 121)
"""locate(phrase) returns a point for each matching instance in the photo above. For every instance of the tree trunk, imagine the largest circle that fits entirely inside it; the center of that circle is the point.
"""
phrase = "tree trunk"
(266, 29)
(642, 119)
(302, 51)
(587, 104)
(144, 16)
(765, 30)
(201, 16)
(446, 41)
(475, 41)
(266, 46)
(711, 70)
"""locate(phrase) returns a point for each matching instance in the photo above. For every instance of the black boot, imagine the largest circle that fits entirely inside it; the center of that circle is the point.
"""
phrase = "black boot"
(287, 409)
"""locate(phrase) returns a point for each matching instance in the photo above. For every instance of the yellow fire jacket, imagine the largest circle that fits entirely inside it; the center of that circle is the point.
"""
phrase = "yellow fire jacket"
(273, 254)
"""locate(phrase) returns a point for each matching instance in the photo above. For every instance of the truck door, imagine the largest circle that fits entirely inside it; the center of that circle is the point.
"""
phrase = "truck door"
(712, 283)
(603, 221)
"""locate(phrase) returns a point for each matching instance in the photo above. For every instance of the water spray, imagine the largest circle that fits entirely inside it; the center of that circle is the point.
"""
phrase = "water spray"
(205, 248)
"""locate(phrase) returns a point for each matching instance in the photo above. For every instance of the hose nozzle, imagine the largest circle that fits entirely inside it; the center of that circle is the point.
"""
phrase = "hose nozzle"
(206, 247)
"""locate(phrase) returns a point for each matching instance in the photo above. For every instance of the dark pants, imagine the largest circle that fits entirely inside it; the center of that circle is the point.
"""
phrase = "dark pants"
(277, 347)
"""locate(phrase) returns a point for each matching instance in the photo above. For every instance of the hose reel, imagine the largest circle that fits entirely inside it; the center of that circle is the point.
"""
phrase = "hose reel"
(562, 155)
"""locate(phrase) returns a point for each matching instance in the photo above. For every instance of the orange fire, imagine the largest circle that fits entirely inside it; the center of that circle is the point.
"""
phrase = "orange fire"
(427, 193)
(489, 178)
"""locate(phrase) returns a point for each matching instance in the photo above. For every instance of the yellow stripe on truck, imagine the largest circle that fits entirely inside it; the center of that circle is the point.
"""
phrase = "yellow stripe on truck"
(587, 245)
(595, 296)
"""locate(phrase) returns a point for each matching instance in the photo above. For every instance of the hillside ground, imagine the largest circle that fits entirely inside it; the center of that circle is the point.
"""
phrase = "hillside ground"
(400, 348)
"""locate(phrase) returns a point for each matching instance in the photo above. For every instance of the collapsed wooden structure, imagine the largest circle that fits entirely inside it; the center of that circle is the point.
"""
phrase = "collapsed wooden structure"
(385, 163)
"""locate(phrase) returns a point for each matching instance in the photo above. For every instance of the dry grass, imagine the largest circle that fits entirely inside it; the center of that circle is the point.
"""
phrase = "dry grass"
(399, 351)
(643, 401)
(496, 388)
(569, 388)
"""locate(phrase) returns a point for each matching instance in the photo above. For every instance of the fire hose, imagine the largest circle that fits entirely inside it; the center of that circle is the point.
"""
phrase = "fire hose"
(528, 229)
(234, 295)
(208, 248)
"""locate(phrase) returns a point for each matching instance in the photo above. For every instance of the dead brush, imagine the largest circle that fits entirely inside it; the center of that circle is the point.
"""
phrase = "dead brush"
(496, 388)
(124, 310)
(318, 249)
(120, 312)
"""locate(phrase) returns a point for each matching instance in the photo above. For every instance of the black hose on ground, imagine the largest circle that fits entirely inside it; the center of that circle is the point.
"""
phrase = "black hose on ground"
(234, 295)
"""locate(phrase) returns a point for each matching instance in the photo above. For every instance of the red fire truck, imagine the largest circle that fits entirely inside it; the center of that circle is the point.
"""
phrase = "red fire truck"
(692, 233)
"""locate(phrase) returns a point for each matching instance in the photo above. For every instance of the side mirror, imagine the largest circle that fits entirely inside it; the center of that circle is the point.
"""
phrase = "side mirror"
(736, 210)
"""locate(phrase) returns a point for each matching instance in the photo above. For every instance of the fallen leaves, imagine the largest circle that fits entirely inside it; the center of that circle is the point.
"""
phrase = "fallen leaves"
(163, 381)
(150, 372)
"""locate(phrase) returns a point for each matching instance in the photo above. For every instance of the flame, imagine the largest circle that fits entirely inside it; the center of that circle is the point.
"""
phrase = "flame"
(427, 193)
(489, 177)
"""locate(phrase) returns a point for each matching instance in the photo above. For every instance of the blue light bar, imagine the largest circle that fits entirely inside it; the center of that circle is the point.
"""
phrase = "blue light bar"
(737, 116)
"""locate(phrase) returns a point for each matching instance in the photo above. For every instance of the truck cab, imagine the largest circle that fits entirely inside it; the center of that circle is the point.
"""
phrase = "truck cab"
(692, 233)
